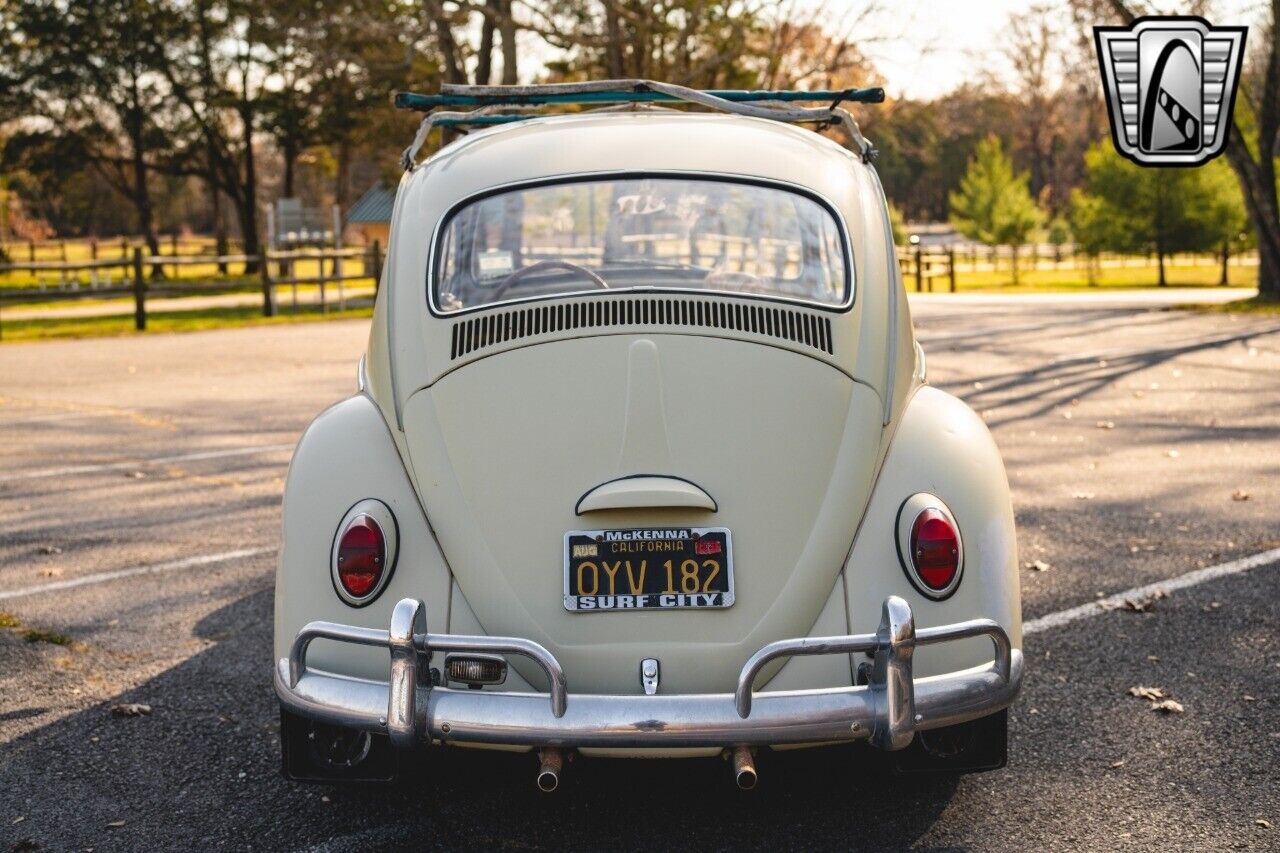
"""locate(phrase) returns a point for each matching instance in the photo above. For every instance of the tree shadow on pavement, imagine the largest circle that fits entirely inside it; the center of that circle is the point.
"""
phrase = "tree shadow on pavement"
(202, 771)
(1023, 395)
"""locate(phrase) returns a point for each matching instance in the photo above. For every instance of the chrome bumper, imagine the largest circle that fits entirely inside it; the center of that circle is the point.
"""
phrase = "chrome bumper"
(888, 711)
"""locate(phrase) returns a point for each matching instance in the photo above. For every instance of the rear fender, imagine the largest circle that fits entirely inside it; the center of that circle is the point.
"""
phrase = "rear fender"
(344, 456)
(943, 448)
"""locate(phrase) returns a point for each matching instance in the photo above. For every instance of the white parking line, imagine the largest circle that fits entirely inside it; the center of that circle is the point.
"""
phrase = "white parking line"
(68, 470)
(158, 568)
(1265, 559)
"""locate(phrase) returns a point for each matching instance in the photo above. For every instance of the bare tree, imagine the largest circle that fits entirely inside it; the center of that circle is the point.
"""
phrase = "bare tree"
(1033, 49)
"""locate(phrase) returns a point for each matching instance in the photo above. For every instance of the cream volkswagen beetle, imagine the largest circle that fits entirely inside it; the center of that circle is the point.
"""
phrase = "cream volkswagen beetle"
(643, 461)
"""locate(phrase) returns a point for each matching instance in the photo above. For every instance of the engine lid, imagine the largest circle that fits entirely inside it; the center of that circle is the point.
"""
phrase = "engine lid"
(505, 449)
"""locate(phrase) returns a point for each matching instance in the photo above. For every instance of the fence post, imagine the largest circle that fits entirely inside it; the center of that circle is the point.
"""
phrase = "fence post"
(919, 272)
(139, 293)
(31, 250)
(324, 306)
(268, 294)
(951, 267)
(377, 267)
(93, 248)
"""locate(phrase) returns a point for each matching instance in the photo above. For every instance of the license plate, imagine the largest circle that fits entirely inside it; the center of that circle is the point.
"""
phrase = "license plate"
(648, 568)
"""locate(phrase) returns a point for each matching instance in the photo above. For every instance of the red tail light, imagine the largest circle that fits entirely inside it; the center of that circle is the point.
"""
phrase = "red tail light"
(935, 550)
(362, 556)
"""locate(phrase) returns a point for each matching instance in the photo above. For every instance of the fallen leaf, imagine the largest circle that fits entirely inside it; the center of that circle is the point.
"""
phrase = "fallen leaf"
(1143, 605)
(1172, 454)
(1138, 394)
(1037, 566)
(51, 572)
(115, 824)
(1083, 496)
(1239, 495)
(1262, 822)
(130, 709)
(49, 549)
(1106, 424)
(1246, 697)
(1168, 706)
(1152, 693)
(1067, 415)
(1117, 764)
(136, 475)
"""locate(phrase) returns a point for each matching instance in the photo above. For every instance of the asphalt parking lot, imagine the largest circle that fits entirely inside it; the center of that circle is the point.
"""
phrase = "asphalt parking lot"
(140, 481)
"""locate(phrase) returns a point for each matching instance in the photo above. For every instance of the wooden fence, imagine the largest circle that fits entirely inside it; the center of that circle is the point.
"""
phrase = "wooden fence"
(934, 268)
(128, 276)
(923, 268)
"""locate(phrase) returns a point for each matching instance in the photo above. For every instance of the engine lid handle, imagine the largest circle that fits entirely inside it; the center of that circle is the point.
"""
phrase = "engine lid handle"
(645, 491)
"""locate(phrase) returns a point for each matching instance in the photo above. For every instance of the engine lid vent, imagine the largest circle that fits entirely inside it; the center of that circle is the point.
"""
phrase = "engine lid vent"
(498, 327)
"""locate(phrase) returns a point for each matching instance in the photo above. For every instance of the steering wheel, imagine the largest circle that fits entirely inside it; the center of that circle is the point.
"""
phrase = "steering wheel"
(515, 277)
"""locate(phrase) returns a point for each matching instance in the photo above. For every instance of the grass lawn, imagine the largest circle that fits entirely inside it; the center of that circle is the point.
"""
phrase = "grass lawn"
(168, 321)
(1257, 305)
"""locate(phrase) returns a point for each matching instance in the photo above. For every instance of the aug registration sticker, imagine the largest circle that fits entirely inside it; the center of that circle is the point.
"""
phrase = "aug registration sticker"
(648, 568)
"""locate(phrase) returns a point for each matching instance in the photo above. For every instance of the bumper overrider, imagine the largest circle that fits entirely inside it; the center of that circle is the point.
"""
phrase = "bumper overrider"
(888, 710)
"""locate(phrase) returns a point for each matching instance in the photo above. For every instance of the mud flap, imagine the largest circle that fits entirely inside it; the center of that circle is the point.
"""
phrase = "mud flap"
(971, 747)
(316, 752)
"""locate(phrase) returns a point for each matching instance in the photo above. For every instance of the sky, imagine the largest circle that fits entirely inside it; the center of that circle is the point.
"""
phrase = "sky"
(931, 45)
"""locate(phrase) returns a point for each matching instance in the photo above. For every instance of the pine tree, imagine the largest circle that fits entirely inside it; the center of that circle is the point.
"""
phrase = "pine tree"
(994, 205)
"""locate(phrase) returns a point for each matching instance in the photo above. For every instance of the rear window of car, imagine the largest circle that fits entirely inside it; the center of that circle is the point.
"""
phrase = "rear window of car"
(665, 233)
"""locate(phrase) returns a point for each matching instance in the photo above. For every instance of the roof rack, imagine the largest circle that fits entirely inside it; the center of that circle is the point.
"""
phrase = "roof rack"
(489, 101)
(614, 92)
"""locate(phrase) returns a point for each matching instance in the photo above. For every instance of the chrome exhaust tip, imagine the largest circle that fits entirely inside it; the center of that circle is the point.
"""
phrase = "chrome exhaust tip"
(744, 768)
(550, 761)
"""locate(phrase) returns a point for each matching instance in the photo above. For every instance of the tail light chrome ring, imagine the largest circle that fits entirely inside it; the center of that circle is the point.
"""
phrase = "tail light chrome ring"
(918, 507)
(375, 518)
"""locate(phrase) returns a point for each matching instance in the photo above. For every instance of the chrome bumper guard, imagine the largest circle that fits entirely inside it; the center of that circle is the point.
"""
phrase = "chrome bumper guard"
(888, 711)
